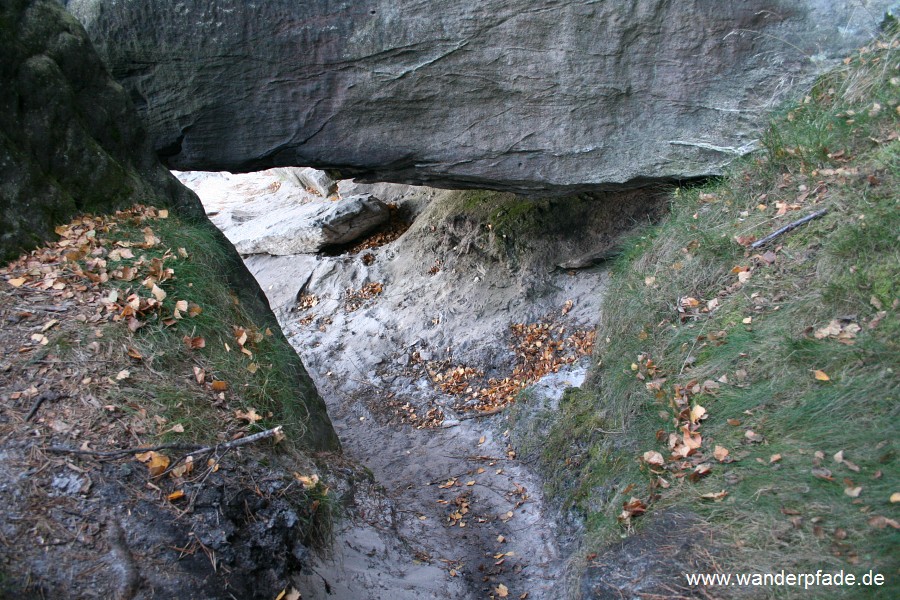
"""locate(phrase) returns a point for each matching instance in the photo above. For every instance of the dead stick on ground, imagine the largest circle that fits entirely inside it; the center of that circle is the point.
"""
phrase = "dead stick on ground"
(480, 414)
(226, 446)
(192, 448)
(274, 432)
(472, 457)
(40, 400)
(122, 452)
(788, 227)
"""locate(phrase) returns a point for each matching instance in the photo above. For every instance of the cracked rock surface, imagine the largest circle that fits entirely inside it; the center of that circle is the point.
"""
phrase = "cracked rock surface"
(555, 96)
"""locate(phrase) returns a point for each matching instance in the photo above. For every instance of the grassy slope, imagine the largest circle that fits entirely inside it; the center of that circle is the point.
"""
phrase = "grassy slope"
(837, 149)
(269, 388)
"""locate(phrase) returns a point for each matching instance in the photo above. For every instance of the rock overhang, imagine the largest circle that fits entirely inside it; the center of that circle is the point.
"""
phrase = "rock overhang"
(556, 97)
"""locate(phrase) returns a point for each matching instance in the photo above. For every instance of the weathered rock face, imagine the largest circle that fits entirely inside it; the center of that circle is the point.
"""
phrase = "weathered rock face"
(309, 228)
(71, 141)
(487, 93)
(314, 180)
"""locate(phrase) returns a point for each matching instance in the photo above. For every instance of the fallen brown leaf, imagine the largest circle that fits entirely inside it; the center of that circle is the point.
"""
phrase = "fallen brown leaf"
(720, 453)
(880, 522)
(653, 457)
(822, 473)
(194, 343)
(853, 492)
(158, 293)
(250, 416)
(716, 496)
(156, 462)
(699, 471)
(753, 436)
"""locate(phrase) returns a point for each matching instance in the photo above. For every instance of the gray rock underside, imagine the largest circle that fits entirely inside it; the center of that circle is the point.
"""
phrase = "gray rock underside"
(554, 95)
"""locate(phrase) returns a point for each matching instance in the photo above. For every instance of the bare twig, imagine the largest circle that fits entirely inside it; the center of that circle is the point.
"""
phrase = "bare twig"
(55, 309)
(275, 431)
(123, 451)
(788, 227)
(51, 395)
(604, 431)
(475, 458)
(193, 449)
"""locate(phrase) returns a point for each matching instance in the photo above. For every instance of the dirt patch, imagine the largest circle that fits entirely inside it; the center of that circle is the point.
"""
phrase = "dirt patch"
(103, 496)
(651, 563)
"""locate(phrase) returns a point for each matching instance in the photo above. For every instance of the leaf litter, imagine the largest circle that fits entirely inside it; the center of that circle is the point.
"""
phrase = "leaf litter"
(102, 286)
(540, 348)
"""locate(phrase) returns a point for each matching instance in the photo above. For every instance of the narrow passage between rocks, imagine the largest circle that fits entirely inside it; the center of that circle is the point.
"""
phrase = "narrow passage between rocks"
(418, 337)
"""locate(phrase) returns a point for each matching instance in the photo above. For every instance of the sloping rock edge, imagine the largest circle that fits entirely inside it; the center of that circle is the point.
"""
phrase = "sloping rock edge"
(71, 141)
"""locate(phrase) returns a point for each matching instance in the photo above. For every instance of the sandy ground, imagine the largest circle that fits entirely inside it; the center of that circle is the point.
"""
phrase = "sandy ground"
(370, 366)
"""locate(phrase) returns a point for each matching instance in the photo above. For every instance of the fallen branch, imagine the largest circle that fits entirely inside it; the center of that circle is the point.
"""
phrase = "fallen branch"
(788, 227)
(275, 431)
(191, 448)
(56, 309)
(51, 395)
(123, 451)
(474, 458)
(448, 423)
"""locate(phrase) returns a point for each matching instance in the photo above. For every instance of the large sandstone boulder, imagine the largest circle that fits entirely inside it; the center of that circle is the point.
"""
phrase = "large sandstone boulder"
(524, 96)
(71, 141)
(309, 228)
(317, 182)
